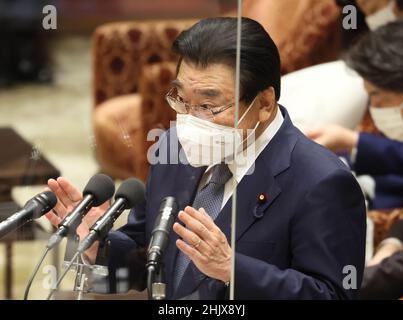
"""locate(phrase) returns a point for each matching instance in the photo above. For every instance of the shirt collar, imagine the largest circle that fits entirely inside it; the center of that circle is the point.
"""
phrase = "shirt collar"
(253, 150)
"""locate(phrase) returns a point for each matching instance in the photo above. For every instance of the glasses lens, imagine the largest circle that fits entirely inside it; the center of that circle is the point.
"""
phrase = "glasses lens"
(181, 107)
(174, 103)
(202, 113)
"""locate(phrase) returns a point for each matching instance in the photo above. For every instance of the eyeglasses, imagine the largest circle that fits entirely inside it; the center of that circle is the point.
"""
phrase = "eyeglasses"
(204, 111)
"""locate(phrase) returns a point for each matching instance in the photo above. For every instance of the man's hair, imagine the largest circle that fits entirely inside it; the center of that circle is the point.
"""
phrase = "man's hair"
(378, 57)
(399, 4)
(213, 40)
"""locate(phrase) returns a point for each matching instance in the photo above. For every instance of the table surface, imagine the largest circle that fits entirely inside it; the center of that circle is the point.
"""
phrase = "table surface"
(21, 163)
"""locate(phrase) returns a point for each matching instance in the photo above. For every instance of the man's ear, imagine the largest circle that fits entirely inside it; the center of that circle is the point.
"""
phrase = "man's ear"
(267, 104)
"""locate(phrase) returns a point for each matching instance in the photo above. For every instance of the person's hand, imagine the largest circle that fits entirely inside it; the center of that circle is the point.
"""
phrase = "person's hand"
(68, 196)
(334, 137)
(383, 252)
(204, 243)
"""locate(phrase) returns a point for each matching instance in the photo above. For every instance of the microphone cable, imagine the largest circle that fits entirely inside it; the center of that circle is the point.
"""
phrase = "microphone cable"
(33, 275)
(63, 275)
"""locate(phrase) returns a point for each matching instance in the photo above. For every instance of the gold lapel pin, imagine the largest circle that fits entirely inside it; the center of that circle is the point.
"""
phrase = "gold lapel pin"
(262, 198)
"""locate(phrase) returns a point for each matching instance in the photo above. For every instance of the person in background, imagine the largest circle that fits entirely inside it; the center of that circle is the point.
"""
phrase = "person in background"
(331, 93)
(383, 277)
(378, 58)
(380, 12)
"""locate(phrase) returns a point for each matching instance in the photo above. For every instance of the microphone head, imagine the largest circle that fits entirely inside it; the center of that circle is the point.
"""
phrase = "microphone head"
(47, 200)
(50, 198)
(101, 187)
(132, 190)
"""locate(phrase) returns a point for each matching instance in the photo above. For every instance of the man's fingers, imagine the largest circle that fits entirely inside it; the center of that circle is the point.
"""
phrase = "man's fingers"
(195, 225)
(60, 193)
(193, 240)
(187, 235)
(203, 217)
(60, 210)
(192, 253)
(53, 219)
(210, 222)
(69, 189)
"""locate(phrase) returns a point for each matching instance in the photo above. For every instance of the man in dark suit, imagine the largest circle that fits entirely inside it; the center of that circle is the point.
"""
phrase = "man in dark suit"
(300, 228)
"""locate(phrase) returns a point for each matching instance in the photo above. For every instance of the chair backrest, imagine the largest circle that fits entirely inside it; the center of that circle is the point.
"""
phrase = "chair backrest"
(323, 94)
(122, 49)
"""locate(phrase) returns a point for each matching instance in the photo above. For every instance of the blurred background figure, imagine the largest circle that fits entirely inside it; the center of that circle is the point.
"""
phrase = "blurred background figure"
(24, 54)
(380, 12)
(332, 93)
(378, 58)
(383, 277)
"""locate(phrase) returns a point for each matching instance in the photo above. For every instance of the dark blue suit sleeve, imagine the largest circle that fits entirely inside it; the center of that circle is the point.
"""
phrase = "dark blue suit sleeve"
(130, 237)
(327, 234)
(378, 155)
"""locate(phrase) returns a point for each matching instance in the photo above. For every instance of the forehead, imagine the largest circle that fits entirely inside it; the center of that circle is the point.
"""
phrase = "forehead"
(219, 76)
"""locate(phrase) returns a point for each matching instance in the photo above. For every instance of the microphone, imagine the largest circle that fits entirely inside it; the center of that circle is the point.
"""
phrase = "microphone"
(163, 226)
(33, 209)
(130, 193)
(99, 189)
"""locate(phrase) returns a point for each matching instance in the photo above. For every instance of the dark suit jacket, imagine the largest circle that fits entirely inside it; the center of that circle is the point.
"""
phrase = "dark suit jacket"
(382, 158)
(293, 246)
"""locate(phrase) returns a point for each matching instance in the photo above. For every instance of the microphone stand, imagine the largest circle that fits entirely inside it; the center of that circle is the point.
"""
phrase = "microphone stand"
(84, 271)
(155, 287)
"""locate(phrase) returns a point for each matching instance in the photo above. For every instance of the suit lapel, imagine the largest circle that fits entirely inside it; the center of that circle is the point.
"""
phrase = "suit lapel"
(249, 208)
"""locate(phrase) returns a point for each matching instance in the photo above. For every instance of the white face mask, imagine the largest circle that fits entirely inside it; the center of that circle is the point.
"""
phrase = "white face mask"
(381, 17)
(389, 121)
(206, 143)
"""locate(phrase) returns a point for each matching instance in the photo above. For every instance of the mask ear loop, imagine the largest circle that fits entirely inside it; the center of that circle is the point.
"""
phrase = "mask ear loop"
(246, 111)
(253, 130)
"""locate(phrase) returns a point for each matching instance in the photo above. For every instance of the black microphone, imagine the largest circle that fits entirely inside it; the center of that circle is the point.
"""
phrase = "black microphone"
(33, 209)
(99, 189)
(130, 193)
(163, 226)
